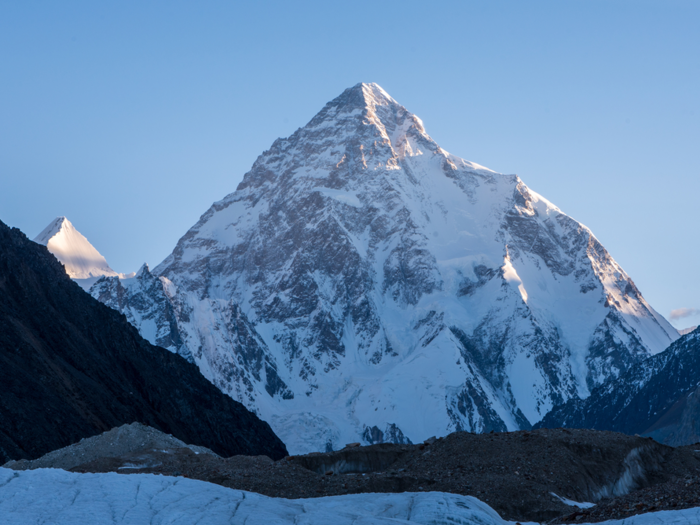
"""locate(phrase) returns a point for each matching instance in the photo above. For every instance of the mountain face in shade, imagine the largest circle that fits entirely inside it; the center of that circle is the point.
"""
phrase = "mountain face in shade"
(70, 368)
(363, 284)
(83, 263)
(659, 397)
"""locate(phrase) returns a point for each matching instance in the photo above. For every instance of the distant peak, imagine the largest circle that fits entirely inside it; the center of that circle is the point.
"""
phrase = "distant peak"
(80, 258)
(52, 229)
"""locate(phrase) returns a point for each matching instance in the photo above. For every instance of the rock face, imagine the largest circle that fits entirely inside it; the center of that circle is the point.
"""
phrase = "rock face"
(364, 284)
(71, 368)
(658, 397)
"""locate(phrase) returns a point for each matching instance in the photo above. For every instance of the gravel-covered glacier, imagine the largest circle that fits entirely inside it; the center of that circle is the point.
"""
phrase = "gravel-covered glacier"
(65, 498)
(363, 284)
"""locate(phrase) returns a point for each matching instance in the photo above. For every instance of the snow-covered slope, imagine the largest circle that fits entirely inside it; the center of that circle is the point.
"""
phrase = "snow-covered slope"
(364, 284)
(82, 261)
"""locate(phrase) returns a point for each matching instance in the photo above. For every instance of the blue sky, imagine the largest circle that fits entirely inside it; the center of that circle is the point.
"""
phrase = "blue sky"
(131, 118)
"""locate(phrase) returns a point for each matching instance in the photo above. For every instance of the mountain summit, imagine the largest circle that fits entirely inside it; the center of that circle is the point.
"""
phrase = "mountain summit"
(83, 263)
(364, 284)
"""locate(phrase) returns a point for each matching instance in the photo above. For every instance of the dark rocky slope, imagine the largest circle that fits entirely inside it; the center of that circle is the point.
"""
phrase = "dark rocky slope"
(658, 397)
(71, 367)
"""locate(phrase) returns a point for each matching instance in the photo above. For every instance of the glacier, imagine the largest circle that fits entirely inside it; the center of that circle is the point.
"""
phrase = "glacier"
(59, 497)
(363, 284)
(65, 498)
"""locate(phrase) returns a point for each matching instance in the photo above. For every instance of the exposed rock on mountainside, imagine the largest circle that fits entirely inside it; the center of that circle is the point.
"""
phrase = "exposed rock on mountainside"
(147, 303)
(70, 368)
(659, 397)
(364, 284)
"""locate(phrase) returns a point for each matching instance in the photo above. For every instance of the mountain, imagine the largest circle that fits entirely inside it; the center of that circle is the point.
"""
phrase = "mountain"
(147, 302)
(82, 261)
(659, 397)
(70, 368)
(363, 284)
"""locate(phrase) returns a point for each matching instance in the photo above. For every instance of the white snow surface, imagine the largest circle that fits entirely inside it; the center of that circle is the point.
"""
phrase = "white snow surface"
(59, 497)
(41, 496)
(362, 284)
(82, 261)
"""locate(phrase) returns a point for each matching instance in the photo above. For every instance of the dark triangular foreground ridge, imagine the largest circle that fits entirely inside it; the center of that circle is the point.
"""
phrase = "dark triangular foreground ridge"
(363, 284)
(70, 368)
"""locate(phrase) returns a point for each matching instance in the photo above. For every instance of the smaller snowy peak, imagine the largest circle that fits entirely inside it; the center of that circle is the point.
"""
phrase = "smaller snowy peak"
(80, 258)
(51, 230)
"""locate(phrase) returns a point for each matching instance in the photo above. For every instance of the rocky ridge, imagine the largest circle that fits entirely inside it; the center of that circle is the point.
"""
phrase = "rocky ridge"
(659, 397)
(71, 368)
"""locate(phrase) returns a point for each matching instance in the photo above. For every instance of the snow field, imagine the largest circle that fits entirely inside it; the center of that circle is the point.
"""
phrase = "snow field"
(58, 497)
(63, 498)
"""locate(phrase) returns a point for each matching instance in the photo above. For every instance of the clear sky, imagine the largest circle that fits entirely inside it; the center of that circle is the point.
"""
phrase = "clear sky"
(131, 118)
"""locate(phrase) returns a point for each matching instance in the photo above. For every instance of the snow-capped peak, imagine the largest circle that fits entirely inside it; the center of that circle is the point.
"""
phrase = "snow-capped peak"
(80, 258)
(51, 230)
(363, 95)
(364, 284)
